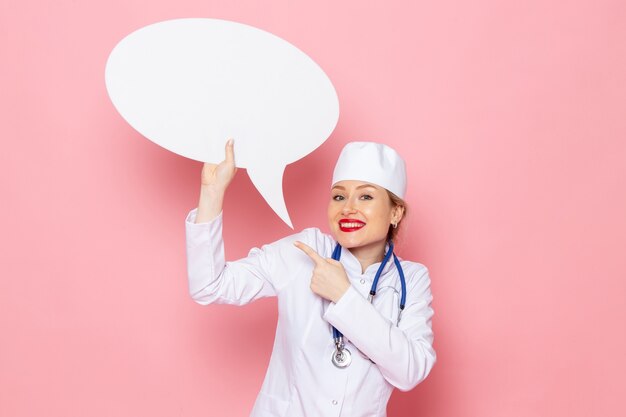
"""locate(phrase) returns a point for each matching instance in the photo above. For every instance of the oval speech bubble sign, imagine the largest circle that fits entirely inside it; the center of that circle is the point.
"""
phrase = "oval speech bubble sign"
(190, 84)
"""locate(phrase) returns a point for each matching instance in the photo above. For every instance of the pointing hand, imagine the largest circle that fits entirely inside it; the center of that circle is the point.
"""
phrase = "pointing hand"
(329, 279)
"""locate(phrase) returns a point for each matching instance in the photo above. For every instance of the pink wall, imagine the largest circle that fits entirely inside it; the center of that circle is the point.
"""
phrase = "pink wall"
(511, 115)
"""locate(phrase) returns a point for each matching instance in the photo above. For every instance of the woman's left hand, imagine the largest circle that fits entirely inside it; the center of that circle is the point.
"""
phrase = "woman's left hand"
(329, 279)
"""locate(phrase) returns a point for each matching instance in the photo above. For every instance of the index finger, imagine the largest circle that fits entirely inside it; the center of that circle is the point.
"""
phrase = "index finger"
(309, 251)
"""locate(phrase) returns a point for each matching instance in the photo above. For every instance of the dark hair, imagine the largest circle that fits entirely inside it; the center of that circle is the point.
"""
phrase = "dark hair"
(396, 201)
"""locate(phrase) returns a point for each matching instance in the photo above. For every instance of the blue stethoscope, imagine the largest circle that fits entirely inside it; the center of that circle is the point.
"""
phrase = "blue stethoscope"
(342, 356)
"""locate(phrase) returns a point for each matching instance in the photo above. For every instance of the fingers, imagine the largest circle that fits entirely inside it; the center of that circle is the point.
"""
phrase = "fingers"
(230, 151)
(309, 251)
(334, 262)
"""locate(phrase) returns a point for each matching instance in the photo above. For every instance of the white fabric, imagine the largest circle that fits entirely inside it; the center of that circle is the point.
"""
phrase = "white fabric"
(301, 380)
(374, 163)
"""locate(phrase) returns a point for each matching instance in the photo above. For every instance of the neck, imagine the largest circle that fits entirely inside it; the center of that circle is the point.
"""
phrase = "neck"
(369, 255)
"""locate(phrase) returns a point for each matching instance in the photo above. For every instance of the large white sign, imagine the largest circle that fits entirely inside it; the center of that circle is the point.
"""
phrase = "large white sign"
(190, 84)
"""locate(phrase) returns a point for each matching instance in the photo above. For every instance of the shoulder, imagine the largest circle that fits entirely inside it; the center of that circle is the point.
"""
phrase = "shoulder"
(321, 242)
(417, 276)
(310, 236)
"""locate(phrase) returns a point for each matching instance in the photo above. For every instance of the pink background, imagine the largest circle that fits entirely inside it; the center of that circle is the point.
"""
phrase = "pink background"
(510, 114)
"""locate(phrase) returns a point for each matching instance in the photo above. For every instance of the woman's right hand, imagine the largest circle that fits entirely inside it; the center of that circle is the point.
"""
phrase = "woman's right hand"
(219, 176)
(215, 180)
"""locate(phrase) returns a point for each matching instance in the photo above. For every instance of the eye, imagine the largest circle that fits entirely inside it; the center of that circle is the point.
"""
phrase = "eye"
(337, 197)
(367, 197)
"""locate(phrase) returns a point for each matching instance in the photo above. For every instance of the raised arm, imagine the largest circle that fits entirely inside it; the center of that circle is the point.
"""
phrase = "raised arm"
(211, 278)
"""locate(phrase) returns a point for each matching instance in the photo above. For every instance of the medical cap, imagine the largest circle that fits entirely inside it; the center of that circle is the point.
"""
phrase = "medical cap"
(374, 163)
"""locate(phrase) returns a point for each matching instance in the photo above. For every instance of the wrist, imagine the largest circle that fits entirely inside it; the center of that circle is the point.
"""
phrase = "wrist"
(210, 203)
(341, 292)
(212, 189)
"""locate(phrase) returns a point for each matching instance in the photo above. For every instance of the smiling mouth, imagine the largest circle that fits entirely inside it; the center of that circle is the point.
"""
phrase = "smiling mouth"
(349, 225)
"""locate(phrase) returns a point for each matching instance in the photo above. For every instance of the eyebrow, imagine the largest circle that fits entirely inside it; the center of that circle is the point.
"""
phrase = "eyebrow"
(359, 187)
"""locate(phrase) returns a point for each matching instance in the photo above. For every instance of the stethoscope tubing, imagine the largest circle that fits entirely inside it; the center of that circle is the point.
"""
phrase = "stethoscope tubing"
(337, 335)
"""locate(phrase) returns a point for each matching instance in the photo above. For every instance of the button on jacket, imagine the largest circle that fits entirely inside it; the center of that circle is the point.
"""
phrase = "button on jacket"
(301, 379)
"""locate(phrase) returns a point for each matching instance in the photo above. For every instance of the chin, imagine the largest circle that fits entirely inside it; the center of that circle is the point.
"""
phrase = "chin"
(349, 242)
(344, 240)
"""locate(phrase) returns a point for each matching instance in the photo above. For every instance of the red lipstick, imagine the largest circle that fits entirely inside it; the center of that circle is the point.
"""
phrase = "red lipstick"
(350, 225)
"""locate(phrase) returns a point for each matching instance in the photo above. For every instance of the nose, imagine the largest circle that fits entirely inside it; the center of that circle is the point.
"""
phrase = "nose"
(348, 207)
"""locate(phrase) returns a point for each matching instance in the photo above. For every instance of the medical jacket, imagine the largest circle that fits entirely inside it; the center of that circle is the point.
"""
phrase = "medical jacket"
(301, 379)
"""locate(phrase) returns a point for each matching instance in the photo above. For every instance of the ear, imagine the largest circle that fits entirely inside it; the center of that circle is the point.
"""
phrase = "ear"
(397, 213)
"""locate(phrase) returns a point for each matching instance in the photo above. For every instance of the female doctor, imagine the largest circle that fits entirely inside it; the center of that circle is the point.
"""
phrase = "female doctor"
(354, 320)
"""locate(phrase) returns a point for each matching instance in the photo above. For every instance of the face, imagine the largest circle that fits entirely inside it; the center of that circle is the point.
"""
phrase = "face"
(359, 214)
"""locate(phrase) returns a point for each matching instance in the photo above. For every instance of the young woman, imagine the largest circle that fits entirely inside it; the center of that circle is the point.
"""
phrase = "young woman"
(354, 321)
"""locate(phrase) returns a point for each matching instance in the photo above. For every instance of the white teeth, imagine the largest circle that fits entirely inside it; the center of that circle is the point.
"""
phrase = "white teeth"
(351, 225)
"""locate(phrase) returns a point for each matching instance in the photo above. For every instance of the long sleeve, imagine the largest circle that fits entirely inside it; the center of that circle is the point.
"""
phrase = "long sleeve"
(212, 279)
(403, 353)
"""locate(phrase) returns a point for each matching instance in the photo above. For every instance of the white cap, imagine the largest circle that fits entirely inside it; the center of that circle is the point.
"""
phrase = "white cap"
(372, 162)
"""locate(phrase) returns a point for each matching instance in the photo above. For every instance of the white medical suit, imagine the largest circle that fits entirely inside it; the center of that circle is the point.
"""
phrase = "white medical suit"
(301, 379)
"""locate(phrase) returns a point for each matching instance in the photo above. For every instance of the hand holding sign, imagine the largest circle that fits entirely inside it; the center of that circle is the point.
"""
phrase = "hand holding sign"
(329, 279)
(220, 175)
